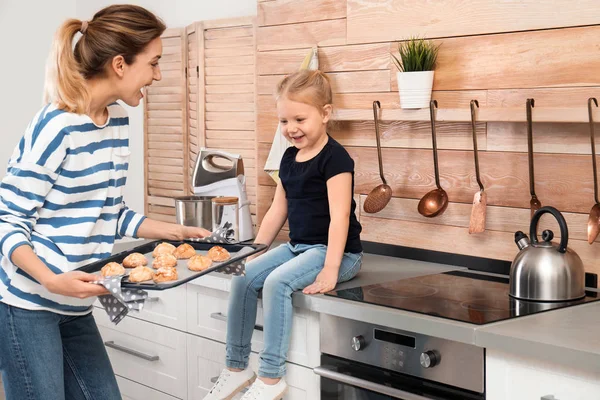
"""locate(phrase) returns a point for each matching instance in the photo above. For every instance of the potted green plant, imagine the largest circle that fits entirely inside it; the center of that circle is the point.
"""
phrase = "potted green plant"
(415, 62)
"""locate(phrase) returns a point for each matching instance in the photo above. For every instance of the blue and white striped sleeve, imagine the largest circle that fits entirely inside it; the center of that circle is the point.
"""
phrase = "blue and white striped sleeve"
(128, 223)
(31, 173)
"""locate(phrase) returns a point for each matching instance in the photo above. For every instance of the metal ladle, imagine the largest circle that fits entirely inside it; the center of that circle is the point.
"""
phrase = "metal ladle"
(435, 202)
(380, 196)
(593, 225)
(534, 203)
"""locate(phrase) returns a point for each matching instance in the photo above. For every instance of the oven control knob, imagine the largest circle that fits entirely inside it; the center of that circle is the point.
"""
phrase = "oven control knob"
(429, 359)
(358, 343)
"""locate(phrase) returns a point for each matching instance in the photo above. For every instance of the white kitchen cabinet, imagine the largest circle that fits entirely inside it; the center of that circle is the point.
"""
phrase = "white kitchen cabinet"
(207, 316)
(146, 353)
(163, 307)
(131, 390)
(512, 377)
(206, 360)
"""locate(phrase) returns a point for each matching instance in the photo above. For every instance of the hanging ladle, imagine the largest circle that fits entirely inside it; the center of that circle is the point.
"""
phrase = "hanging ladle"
(478, 211)
(380, 196)
(435, 202)
(593, 225)
(534, 203)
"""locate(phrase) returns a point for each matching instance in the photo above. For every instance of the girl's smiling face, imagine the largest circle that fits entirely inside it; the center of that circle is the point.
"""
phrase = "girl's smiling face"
(302, 124)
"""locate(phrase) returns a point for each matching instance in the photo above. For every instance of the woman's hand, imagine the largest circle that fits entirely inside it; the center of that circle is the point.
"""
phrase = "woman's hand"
(325, 282)
(74, 284)
(192, 232)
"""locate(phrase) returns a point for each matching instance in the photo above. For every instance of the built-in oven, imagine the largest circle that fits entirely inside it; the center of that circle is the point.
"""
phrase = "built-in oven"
(362, 361)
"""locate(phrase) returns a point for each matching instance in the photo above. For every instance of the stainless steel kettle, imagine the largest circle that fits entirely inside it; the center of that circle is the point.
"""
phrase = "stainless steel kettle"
(544, 271)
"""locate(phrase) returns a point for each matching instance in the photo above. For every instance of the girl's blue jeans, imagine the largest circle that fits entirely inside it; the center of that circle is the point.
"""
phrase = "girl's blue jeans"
(279, 273)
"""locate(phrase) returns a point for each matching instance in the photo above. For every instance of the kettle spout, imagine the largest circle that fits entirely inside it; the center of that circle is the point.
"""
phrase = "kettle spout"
(521, 240)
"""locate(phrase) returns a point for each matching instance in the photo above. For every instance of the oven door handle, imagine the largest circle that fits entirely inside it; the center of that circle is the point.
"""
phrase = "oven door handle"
(361, 383)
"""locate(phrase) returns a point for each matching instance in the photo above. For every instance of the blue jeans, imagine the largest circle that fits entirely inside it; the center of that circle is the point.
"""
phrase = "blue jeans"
(279, 273)
(48, 356)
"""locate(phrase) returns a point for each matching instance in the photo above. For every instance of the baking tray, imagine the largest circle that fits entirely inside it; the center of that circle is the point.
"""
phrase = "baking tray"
(238, 253)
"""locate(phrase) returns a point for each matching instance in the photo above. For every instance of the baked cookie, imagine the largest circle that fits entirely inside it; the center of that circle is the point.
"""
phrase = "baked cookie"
(184, 251)
(112, 269)
(164, 260)
(135, 260)
(140, 274)
(165, 274)
(199, 263)
(217, 253)
(163, 248)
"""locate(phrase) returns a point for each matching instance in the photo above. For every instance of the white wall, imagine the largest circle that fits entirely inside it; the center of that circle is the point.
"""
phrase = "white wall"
(175, 13)
(26, 31)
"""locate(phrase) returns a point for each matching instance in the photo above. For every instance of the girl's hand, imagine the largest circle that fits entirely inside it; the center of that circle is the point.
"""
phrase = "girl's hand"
(325, 282)
(75, 284)
(192, 232)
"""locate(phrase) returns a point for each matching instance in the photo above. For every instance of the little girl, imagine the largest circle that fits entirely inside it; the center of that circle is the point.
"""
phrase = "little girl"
(315, 195)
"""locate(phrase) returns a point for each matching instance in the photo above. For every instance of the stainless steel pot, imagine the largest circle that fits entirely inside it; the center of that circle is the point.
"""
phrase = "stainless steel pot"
(194, 211)
(545, 271)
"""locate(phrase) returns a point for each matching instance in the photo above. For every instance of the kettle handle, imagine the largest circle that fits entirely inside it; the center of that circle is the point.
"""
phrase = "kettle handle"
(564, 231)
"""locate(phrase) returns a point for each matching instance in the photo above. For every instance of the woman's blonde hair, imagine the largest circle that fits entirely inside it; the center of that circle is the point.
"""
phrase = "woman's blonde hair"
(115, 30)
(311, 87)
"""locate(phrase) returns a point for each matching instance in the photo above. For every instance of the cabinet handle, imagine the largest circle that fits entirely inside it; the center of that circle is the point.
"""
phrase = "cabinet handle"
(549, 397)
(147, 357)
(219, 316)
(215, 378)
(153, 299)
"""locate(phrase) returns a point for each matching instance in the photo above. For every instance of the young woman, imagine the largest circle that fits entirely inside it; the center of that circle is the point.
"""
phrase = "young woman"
(315, 195)
(61, 207)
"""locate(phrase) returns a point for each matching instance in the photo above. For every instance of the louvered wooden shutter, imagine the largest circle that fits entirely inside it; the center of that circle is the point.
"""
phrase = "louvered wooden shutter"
(225, 84)
(165, 136)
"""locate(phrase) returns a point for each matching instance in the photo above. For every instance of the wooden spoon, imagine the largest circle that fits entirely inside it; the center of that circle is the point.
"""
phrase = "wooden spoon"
(534, 203)
(593, 225)
(478, 212)
(380, 196)
(435, 202)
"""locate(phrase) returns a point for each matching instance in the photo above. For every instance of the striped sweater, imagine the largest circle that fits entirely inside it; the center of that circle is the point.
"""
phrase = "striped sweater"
(63, 196)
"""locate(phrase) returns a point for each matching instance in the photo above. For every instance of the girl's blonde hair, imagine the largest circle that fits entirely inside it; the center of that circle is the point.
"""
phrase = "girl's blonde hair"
(311, 87)
(115, 30)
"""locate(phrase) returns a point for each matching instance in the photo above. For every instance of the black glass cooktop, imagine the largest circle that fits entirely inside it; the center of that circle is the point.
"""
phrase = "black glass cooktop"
(459, 295)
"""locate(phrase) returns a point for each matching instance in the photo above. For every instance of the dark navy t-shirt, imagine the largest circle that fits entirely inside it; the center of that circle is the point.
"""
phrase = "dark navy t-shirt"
(305, 185)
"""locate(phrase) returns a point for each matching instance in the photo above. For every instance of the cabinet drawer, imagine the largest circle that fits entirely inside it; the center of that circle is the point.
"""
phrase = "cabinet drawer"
(206, 360)
(146, 353)
(512, 377)
(207, 317)
(163, 307)
(134, 391)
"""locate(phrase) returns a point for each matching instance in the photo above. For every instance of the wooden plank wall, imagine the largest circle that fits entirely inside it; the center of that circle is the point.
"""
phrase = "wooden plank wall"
(500, 53)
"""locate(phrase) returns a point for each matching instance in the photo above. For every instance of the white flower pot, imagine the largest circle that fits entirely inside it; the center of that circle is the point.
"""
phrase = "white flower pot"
(414, 88)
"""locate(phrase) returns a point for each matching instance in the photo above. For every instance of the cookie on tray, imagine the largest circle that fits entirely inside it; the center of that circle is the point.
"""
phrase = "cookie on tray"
(112, 269)
(163, 248)
(199, 263)
(135, 260)
(164, 260)
(218, 254)
(184, 251)
(165, 274)
(140, 274)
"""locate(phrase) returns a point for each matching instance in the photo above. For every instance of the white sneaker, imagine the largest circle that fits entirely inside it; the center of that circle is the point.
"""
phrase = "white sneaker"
(261, 391)
(230, 383)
